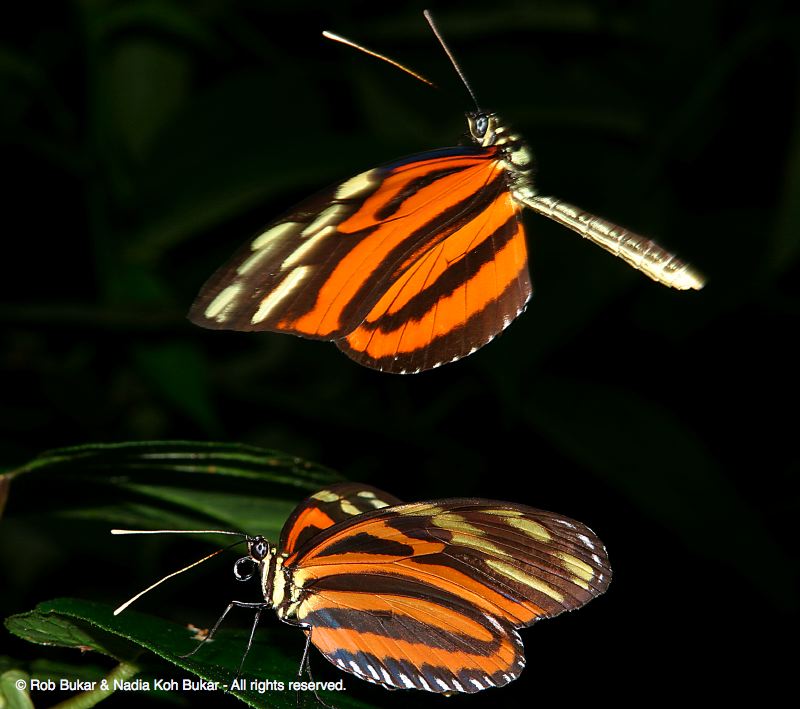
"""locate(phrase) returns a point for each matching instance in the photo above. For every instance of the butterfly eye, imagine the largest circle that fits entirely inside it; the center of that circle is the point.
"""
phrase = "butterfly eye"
(481, 124)
(259, 549)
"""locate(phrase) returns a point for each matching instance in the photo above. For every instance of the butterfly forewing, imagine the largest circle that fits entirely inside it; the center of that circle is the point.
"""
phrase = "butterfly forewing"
(405, 266)
(429, 595)
(330, 506)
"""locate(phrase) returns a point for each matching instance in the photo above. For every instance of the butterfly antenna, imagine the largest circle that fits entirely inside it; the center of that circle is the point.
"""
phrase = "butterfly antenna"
(185, 568)
(350, 43)
(452, 58)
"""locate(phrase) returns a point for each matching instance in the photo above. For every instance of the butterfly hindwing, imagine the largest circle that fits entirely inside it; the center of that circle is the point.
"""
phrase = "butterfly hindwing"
(405, 266)
(455, 293)
(430, 595)
(414, 644)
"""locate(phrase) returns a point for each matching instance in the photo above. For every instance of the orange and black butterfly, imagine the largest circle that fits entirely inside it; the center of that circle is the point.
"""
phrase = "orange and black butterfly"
(424, 595)
(415, 263)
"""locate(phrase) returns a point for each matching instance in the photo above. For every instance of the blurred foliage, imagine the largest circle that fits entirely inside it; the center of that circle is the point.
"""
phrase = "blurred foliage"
(144, 140)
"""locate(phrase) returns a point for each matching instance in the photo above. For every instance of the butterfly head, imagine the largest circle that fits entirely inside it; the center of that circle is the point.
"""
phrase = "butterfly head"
(259, 549)
(488, 130)
(259, 554)
(263, 558)
(483, 128)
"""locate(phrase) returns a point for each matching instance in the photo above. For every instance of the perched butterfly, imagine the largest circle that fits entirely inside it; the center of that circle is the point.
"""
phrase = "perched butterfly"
(415, 263)
(425, 595)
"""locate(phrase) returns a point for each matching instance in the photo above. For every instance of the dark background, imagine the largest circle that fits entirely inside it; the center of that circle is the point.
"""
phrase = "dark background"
(142, 142)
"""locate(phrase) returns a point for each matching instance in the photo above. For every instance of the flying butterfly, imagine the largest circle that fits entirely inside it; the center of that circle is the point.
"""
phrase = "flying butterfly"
(415, 263)
(424, 595)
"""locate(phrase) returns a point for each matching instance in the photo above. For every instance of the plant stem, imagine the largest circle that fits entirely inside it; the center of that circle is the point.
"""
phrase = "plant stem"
(84, 700)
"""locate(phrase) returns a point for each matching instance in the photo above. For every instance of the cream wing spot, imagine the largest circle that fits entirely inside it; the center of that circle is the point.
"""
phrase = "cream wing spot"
(271, 236)
(285, 289)
(307, 246)
(424, 508)
(357, 185)
(326, 218)
(372, 499)
(325, 496)
(348, 507)
(580, 582)
(219, 307)
(456, 523)
(575, 566)
(520, 576)
(252, 261)
(479, 544)
(531, 528)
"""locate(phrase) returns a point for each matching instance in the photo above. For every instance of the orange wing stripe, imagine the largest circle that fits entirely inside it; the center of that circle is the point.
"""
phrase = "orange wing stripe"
(311, 517)
(448, 313)
(424, 611)
(330, 641)
(460, 176)
(446, 579)
(355, 273)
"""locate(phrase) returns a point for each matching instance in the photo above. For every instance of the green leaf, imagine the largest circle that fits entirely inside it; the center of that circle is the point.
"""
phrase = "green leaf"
(179, 483)
(81, 624)
(61, 631)
(229, 460)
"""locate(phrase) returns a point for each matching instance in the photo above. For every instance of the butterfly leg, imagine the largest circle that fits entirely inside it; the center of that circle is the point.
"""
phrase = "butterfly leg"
(305, 660)
(305, 663)
(240, 604)
(259, 607)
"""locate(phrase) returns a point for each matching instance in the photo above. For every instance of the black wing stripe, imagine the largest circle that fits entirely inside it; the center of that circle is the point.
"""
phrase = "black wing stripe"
(410, 248)
(453, 277)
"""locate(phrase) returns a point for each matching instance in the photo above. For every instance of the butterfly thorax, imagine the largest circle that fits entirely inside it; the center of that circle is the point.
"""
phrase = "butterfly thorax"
(488, 130)
(277, 586)
(270, 566)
